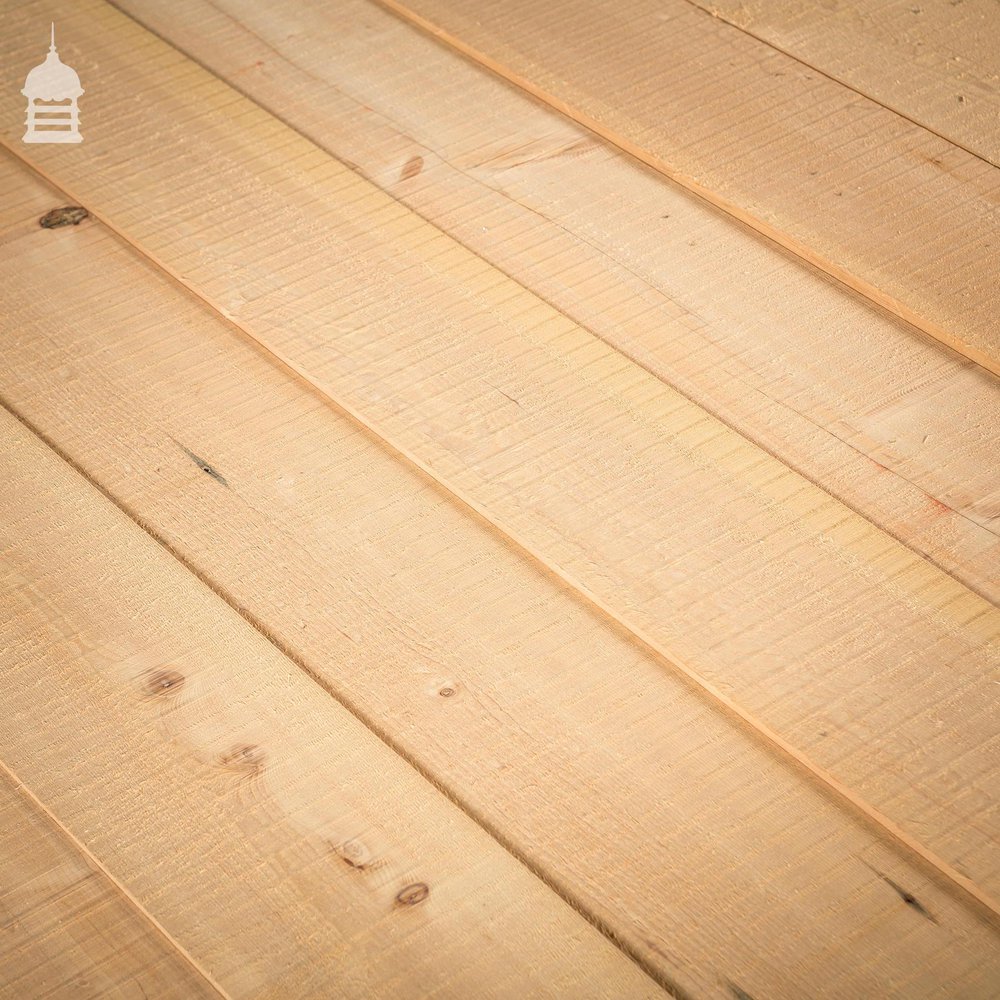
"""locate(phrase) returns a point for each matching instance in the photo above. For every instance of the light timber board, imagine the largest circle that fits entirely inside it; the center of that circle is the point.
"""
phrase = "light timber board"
(708, 857)
(885, 206)
(270, 833)
(788, 607)
(891, 422)
(66, 930)
(934, 61)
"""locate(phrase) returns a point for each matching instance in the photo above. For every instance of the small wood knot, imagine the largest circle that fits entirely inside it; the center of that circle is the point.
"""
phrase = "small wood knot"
(164, 682)
(447, 692)
(246, 758)
(413, 894)
(355, 854)
(69, 215)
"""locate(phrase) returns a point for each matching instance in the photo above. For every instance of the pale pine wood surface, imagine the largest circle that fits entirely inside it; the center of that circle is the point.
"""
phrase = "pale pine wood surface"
(707, 856)
(456, 575)
(66, 930)
(934, 61)
(262, 825)
(898, 427)
(833, 176)
(741, 573)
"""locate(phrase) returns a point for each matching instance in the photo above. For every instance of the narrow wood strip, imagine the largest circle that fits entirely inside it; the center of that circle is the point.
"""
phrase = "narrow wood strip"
(891, 210)
(586, 461)
(67, 928)
(669, 825)
(934, 62)
(889, 421)
(261, 824)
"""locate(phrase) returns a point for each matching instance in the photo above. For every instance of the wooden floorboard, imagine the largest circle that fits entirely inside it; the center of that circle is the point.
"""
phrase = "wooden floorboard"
(896, 426)
(888, 208)
(66, 929)
(445, 558)
(263, 826)
(701, 851)
(934, 62)
(801, 617)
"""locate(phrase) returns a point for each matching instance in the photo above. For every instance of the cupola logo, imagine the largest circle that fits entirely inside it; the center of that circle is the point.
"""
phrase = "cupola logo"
(52, 89)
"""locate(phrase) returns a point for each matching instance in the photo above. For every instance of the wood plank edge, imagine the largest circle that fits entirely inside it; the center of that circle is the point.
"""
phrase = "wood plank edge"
(783, 239)
(95, 863)
(719, 16)
(565, 893)
(820, 777)
(973, 585)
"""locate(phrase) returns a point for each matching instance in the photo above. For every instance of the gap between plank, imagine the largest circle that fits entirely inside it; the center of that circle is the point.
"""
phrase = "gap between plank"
(95, 863)
(716, 16)
(618, 349)
(800, 249)
(566, 895)
(785, 750)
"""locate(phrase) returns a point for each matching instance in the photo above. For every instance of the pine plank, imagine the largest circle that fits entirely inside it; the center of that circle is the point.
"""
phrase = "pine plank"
(66, 931)
(898, 427)
(862, 662)
(883, 205)
(934, 62)
(710, 859)
(264, 827)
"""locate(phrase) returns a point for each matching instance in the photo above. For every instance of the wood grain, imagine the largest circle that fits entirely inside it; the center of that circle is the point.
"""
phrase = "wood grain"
(273, 835)
(705, 855)
(65, 929)
(890, 209)
(935, 62)
(890, 422)
(799, 616)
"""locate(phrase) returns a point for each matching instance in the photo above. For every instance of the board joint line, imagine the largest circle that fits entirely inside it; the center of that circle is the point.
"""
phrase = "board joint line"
(378, 731)
(840, 83)
(774, 234)
(973, 586)
(95, 863)
(785, 750)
